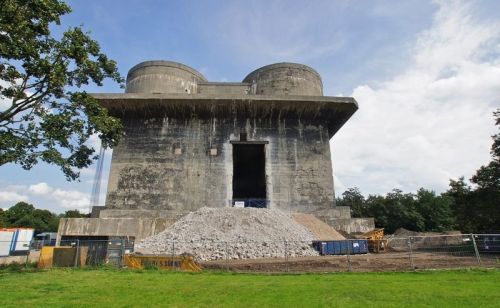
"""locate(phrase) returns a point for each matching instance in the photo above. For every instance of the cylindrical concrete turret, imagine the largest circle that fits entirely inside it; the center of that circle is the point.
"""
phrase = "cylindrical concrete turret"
(162, 77)
(285, 79)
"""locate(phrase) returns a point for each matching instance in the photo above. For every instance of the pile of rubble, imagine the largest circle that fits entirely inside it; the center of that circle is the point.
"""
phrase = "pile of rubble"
(238, 233)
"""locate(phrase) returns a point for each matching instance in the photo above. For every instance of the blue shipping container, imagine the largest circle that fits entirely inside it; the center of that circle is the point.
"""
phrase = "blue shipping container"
(359, 247)
(342, 247)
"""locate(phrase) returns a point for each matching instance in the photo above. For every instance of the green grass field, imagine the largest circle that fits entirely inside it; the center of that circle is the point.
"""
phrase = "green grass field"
(108, 287)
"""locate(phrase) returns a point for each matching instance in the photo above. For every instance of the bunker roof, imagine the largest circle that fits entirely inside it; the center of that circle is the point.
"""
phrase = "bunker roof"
(281, 90)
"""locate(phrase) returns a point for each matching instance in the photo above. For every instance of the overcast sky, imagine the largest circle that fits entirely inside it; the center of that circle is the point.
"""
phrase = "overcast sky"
(426, 76)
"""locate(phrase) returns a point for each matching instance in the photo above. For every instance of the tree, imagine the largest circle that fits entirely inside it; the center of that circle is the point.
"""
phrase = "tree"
(495, 148)
(461, 205)
(393, 211)
(435, 210)
(17, 215)
(48, 116)
(3, 223)
(486, 196)
(25, 215)
(74, 214)
(353, 198)
(478, 209)
(403, 212)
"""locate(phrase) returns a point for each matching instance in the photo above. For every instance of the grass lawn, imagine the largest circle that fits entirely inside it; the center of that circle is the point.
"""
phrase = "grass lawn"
(109, 287)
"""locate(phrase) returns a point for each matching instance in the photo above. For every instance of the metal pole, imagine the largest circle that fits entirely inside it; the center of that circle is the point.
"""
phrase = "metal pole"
(478, 257)
(76, 252)
(411, 253)
(349, 255)
(227, 258)
(173, 254)
(122, 252)
(28, 255)
(286, 256)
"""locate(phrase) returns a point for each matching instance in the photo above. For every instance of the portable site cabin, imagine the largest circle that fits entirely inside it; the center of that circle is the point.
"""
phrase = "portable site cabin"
(15, 241)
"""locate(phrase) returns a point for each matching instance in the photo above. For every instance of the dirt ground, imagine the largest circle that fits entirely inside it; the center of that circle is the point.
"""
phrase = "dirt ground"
(389, 261)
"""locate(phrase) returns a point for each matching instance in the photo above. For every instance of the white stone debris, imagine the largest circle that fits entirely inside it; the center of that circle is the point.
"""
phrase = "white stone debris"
(241, 233)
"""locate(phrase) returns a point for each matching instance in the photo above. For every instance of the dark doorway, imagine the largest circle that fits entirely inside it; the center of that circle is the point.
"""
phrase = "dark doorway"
(249, 174)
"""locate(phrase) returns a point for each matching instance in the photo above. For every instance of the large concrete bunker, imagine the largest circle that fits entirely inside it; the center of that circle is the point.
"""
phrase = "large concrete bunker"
(190, 143)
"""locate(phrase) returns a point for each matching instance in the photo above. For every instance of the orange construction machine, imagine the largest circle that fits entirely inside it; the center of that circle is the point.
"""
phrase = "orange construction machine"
(376, 241)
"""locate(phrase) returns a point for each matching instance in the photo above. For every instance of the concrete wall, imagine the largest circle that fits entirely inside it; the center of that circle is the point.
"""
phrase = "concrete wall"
(352, 225)
(138, 227)
(172, 77)
(285, 79)
(227, 88)
(167, 164)
(33, 256)
(162, 77)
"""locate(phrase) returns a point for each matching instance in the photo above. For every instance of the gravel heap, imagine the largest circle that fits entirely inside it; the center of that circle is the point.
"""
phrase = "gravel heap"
(245, 233)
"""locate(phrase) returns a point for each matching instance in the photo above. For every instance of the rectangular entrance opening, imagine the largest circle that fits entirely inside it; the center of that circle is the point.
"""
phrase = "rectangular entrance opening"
(249, 174)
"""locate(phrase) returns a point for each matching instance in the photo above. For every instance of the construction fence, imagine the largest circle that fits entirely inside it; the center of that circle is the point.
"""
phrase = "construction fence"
(397, 254)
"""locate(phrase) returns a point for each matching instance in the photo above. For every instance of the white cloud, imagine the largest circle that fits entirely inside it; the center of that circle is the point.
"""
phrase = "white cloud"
(4, 102)
(40, 189)
(11, 196)
(71, 199)
(94, 141)
(44, 193)
(433, 121)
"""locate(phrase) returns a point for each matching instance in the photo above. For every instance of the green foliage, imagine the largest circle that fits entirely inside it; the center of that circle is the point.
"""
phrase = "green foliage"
(478, 209)
(495, 148)
(74, 214)
(3, 222)
(19, 213)
(434, 210)
(25, 215)
(461, 195)
(353, 198)
(423, 211)
(49, 117)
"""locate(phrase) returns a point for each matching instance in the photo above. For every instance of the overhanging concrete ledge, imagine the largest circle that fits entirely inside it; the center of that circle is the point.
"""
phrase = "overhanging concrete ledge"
(137, 227)
(334, 110)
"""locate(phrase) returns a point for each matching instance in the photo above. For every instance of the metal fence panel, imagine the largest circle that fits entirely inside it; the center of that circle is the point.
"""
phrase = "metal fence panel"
(399, 254)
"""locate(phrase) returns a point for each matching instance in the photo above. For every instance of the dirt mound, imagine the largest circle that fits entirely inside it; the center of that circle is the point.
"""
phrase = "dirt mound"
(318, 228)
(239, 233)
(399, 240)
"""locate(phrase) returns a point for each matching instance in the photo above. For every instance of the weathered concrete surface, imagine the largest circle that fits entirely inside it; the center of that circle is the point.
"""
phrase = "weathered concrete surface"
(227, 88)
(177, 152)
(137, 227)
(334, 111)
(165, 163)
(162, 77)
(285, 79)
(143, 213)
(96, 211)
(336, 212)
(33, 256)
(351, 225)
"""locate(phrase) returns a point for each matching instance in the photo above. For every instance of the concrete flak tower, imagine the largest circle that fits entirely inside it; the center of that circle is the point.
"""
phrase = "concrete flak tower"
(190, 143)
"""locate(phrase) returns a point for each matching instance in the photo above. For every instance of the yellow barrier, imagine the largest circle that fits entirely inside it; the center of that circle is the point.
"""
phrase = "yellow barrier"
(182, 262)
(62, 257)
(46, 257)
